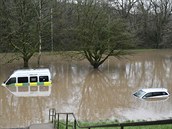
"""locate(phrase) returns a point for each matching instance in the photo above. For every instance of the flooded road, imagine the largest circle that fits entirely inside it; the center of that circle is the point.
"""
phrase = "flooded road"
(93, 94)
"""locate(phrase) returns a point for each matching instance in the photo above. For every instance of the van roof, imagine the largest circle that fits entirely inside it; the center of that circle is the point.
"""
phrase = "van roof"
(31, 71)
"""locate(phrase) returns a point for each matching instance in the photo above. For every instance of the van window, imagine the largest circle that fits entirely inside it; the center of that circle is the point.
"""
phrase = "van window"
(33, 79)
(22, 79)
(11, 81)
(43, 79)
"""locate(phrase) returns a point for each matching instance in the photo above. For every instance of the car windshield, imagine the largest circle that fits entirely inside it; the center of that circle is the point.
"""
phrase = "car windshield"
(139, 93)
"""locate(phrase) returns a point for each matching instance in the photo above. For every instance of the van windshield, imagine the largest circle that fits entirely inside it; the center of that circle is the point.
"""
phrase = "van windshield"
(11, 81)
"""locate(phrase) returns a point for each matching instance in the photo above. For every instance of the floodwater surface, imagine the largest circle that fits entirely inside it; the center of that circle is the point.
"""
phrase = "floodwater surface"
(93, 95)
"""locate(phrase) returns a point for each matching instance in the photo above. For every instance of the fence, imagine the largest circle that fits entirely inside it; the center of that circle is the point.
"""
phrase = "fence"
(55, 118)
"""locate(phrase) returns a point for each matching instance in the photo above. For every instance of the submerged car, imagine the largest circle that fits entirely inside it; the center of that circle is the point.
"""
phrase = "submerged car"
(152, 93)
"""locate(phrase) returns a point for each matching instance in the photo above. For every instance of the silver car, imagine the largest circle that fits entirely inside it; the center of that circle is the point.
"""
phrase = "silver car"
(152, 93)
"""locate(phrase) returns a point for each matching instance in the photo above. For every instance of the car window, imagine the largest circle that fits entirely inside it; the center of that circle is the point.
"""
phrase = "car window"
(159, 93)
(164, 93)
(139, 93)
(148, 95)
(153, 94)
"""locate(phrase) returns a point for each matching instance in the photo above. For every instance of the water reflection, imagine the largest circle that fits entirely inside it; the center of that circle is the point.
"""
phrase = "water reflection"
(93, 94)
(29, 91)
(157, 99)
(145, 73)
(21, 111)
(100, 98)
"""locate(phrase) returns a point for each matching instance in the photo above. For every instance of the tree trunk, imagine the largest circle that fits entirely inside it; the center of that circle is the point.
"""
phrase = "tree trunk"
(52, 33)
(40, 31)
(26, 62)
(96, 66)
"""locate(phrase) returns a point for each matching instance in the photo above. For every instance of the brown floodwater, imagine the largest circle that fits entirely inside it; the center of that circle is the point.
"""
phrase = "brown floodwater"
(92, 95)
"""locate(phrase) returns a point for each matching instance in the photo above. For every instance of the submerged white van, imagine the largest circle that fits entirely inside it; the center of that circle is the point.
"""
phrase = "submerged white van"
(29, 77)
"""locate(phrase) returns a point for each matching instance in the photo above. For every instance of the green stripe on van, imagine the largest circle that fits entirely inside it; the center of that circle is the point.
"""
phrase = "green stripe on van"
(40, 83)
(25, 84)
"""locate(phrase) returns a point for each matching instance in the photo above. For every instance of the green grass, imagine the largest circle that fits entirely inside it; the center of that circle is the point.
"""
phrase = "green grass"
(151, 127)
(86, 124)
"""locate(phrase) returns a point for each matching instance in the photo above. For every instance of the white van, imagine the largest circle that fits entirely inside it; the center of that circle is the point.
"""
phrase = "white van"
(29, 77)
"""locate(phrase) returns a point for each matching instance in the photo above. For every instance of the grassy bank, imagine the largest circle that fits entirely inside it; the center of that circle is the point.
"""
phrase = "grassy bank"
(87, 124)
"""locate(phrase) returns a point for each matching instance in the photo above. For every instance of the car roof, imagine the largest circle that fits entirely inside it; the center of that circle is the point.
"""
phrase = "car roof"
(154, 90)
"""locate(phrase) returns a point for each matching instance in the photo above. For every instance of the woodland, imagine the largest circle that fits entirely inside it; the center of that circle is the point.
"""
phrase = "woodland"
(93, 29)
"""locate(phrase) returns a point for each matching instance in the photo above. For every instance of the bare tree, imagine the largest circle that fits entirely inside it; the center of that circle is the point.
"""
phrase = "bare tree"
(23, 22)
(124, 7)
(4, 25)
(97, 34)
(151, 20)
(43, 10)
(162, 10)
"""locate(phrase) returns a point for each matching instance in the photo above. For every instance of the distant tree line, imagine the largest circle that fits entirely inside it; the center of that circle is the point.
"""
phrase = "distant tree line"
(95, 27)
(150, 21)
